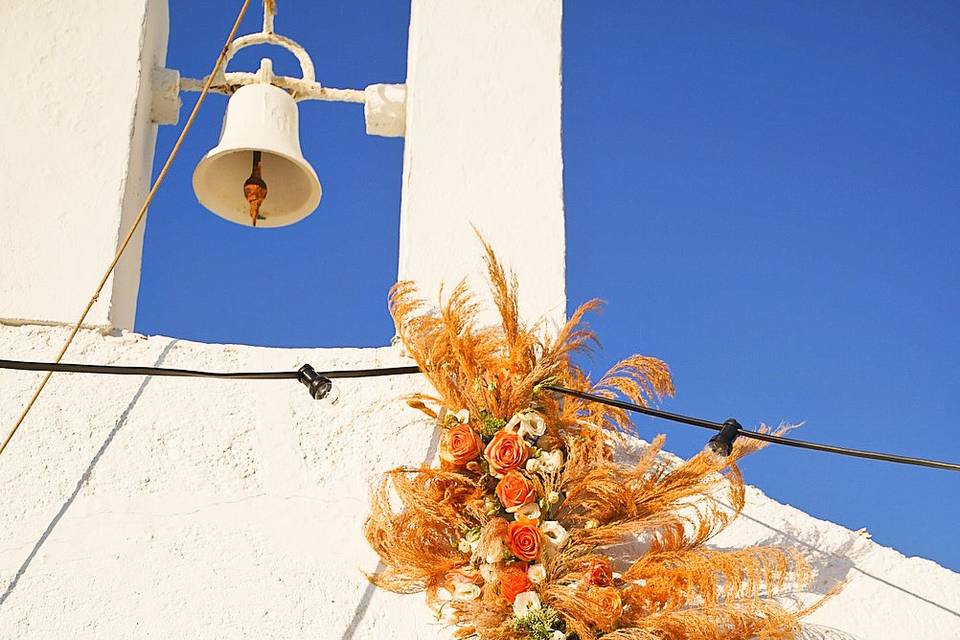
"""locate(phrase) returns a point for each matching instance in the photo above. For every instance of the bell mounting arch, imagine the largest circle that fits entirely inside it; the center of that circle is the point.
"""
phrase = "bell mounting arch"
(303, 88)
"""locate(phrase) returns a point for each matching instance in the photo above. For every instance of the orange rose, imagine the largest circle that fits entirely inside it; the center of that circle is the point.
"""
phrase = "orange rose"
(524, 539)
(460, 445)
(514, 580)
(598, 573)
(506, 452)
(514, 491)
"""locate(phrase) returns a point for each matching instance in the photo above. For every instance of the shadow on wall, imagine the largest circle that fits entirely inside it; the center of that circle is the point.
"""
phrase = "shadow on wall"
(830, 567)
(834, 566)
(84, 479)
(360, 611)
(817, 632)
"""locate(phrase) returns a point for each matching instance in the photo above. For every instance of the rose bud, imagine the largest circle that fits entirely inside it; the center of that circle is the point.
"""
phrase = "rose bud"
(506, 452)
(598, 573)
(514, 491)
(523, 538)
(460, 445)
(514, 580)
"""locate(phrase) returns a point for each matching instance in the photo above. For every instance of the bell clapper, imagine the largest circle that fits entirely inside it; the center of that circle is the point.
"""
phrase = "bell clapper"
(255, 189)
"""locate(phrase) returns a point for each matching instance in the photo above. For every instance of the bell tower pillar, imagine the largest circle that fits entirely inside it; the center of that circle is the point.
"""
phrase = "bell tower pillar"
(79, 123)
(482, 147)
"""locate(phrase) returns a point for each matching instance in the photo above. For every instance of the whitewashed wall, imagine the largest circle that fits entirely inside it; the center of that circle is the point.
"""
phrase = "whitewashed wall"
(167, 508)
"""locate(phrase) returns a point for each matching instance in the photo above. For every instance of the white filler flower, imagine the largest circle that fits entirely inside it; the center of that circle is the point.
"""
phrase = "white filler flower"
(525, 603)
(537, 573)
(554, 533)
(527, 424)
(529, 511)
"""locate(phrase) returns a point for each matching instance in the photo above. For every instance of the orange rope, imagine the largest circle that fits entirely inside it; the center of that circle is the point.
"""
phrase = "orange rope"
(136, 223)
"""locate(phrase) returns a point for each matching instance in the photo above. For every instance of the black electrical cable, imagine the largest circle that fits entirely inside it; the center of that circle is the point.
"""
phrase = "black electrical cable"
(120, 370)
(766, 437)
(318, 382)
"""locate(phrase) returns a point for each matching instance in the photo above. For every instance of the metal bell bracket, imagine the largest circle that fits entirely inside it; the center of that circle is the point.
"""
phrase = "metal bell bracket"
(384, 104)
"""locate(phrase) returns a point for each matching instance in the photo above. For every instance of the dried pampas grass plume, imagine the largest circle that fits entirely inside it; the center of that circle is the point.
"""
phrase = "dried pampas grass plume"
(456, 534)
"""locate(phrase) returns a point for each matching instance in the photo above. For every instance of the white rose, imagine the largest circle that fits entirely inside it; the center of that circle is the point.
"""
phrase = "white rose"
(558, 635)
(462, 416)
(537, 573)
(525, 603)
(554, 533)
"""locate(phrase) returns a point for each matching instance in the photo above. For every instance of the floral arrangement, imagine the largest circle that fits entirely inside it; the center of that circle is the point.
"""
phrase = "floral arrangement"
(528, 529)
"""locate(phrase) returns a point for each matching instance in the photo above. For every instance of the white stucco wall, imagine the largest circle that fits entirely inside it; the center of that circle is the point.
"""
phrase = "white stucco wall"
(483, 145)
(77, 146)
(169, 508)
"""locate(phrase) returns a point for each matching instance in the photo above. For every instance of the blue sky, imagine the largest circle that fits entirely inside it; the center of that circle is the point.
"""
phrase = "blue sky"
(767, 196)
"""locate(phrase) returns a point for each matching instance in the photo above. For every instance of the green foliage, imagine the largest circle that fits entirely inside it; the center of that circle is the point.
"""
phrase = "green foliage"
(490, 424)
(539, 624)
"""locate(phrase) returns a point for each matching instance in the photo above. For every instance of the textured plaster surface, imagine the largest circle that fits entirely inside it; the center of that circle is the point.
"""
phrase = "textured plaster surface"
(172, 508)
(482, 145)
(76, 153)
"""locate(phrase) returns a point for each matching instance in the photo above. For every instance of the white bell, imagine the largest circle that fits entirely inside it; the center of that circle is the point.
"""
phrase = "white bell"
(260, 117)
